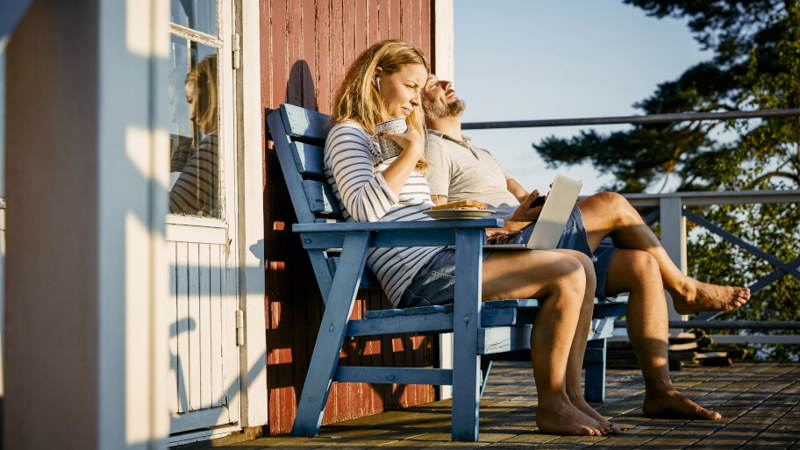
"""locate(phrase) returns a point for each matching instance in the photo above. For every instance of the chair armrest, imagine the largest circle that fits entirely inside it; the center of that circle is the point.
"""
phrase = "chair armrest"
(425, 225)
(428, 233)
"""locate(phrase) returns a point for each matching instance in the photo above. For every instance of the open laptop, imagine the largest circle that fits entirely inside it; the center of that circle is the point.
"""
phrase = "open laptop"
(549, 227)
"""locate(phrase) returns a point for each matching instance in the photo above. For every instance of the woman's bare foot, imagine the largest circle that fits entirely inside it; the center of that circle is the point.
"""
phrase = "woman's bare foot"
(560, 417)
(671, 404)
(587, 409)
(696, 296)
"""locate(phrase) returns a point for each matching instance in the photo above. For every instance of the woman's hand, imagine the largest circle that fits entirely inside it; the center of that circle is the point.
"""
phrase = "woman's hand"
(403, 165)
(411, 141)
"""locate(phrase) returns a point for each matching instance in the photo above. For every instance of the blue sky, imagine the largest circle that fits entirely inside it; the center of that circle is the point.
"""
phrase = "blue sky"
(535, 59)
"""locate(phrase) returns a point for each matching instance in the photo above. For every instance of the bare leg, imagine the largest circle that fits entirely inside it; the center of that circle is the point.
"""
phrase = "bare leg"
(610, 214)
(636, 272)
(575, 365)
(560, 281)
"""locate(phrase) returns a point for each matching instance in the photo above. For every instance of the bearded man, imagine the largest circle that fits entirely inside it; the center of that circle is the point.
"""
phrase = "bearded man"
(636, 264)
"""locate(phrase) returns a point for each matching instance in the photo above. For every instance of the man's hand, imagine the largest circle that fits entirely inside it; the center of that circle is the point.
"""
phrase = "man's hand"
(499, 236)
(526, 212)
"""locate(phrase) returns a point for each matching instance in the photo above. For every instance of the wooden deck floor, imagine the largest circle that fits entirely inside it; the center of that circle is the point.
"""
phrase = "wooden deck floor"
(759, 402)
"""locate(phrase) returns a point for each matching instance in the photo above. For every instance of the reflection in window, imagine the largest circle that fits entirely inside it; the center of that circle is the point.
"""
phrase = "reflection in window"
(200, 15)
(193, 95)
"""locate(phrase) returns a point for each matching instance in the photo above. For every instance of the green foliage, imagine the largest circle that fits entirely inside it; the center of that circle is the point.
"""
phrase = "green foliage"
(756, 65)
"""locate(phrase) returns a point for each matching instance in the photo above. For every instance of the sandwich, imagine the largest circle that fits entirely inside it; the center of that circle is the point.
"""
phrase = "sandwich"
(464, 204)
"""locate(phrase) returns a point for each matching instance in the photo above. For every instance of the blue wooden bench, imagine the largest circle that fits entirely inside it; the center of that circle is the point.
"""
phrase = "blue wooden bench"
(480, 328)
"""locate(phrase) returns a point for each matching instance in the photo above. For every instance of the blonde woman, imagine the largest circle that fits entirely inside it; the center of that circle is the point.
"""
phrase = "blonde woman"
(195, 192)
(383, 84)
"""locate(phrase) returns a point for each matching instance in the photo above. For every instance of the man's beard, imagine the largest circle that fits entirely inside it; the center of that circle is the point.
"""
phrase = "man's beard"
(434, 110)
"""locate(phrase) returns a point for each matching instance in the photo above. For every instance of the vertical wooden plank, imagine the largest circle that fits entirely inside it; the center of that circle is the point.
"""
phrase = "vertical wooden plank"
(217, 351)
(204, 285)
(231, 305)
(427, 29)
(355, 394)
(378, 390)
(361, 27)
(416, 20)
(194, 332)
(384, 7)
(294, 52)
(406, 20)
(398, 359)
(323, 39)
(265, 47)
(184, 321)
(278, 60)
(408, 356)
(419, 361)
(395, 19)
(337, 45)
(349, 10)
(309, 55)
(372, 23)
(172, 393)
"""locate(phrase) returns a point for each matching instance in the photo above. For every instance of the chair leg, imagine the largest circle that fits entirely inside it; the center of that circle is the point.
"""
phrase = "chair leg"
(486, 367)
(466, 321)
(330, 340)
(595, 361)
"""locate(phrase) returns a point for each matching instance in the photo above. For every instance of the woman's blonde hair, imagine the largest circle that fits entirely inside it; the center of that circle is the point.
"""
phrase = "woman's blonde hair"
(204, 78)
(359, 100)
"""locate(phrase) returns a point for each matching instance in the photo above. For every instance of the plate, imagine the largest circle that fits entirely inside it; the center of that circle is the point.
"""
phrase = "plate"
(458, 214)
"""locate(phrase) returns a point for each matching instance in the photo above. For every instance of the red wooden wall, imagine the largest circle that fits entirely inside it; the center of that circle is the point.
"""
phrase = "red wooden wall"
(306, 47)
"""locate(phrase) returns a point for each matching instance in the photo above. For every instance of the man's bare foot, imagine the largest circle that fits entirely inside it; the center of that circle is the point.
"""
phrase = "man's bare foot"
(696, 296)
(564, 419)
(672, 404)
(587, 409)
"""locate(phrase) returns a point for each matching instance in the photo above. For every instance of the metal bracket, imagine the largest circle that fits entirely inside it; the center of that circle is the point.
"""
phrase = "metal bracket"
(239, 327)
(236, 51)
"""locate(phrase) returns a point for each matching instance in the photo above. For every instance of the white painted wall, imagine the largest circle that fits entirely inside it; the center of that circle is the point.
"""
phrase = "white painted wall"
(86, 267)
(444, 66)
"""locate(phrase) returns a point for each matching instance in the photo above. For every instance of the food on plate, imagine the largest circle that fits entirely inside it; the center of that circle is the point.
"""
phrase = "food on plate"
(464, 204)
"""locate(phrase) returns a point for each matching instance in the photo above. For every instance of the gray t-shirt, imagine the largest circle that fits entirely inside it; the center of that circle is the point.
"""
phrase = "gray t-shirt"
(461, 171)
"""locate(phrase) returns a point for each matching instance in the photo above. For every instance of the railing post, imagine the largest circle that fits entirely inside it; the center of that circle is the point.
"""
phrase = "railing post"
(673, 239)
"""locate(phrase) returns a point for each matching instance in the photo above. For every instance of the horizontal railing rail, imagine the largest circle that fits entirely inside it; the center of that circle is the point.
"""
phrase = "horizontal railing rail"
(672, 214)
(641, 120)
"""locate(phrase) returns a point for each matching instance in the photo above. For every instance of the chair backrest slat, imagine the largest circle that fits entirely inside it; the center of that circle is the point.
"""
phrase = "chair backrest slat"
(320, 198)
(303, 123)
(308, 159)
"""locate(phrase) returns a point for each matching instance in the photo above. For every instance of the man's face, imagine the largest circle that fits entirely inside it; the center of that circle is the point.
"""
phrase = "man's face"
(439, 99)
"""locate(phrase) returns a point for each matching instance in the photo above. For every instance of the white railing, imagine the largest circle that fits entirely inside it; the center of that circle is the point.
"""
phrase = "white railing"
(672, 216)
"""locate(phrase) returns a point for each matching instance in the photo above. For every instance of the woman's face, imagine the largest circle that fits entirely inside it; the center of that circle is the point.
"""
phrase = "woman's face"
(401, 90)
(192, 95)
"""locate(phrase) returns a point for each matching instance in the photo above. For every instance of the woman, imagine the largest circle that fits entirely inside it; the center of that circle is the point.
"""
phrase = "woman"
(383, 84)
(195, 192)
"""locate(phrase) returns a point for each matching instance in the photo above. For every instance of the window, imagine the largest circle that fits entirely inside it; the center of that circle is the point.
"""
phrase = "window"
(194, 95)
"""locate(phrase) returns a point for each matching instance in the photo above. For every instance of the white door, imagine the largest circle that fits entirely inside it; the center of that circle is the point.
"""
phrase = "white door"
(201, 226)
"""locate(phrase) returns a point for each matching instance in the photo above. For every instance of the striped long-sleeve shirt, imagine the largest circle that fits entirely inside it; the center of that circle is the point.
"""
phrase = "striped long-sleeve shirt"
(195, 192)
(356, 178)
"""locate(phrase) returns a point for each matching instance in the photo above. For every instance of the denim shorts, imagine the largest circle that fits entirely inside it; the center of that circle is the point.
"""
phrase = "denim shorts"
(575, 238)
(435, 282)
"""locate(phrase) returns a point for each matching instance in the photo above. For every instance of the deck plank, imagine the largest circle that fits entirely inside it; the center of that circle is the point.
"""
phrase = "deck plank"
(759, 401)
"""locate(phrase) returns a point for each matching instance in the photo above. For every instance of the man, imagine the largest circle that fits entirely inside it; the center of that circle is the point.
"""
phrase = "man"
(637, 263)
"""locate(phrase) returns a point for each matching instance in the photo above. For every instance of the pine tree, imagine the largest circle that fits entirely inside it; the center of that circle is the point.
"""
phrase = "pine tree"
(755, 65)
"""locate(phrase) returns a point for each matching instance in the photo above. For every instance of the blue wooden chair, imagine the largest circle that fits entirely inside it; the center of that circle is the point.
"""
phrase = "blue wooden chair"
(480, 328)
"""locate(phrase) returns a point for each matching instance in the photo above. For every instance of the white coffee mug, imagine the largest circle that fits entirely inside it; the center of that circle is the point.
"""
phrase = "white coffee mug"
(386, 148)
